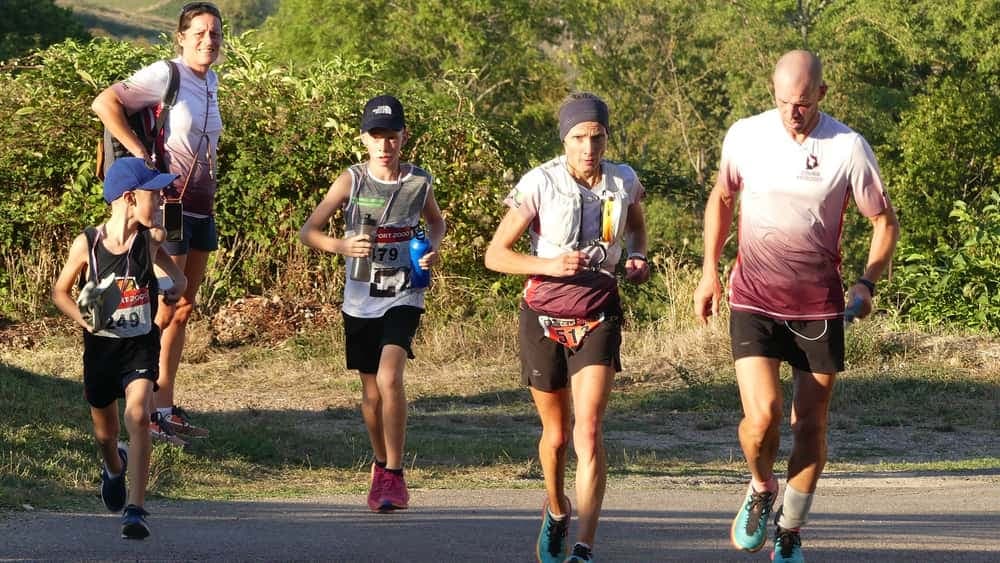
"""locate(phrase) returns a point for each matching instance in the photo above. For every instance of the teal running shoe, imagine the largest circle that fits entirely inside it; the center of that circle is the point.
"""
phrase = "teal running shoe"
(749, 531)
(551, 546)
(787, 547)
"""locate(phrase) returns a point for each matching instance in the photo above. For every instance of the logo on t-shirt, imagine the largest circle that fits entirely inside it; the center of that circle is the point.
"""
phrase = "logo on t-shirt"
(515, 197)
(811, 174)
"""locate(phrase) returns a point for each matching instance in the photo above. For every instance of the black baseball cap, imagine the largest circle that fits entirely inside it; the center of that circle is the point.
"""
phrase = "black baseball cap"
(383, 112)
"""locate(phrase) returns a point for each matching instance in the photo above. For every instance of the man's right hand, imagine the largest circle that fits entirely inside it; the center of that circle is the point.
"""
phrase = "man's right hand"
(707, 297)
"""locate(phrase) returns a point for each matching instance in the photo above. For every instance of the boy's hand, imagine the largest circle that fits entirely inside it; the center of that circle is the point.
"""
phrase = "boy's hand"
(429, 259)
(173, 294)
(357, 246)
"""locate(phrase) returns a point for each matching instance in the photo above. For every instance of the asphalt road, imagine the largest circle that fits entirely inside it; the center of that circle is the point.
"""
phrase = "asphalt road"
(865, 517)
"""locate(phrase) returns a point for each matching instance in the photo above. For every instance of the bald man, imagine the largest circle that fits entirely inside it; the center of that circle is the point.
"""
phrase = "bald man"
(795, 170)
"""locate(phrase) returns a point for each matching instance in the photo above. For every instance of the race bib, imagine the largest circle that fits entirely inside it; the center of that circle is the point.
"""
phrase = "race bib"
(133, 317)
(387, 282)
(568, 332)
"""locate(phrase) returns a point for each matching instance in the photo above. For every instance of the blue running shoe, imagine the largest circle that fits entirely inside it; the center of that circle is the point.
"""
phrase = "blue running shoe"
(551, 547)
(581, 554)
(787, 547)
(749, 531)
(134, 526)
(113, 491)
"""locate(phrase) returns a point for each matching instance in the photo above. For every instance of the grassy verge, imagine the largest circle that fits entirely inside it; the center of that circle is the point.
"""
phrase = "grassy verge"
(285, 421)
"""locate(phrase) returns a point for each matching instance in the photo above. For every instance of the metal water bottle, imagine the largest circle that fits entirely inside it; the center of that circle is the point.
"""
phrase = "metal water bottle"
(361, 268)
(419, 245)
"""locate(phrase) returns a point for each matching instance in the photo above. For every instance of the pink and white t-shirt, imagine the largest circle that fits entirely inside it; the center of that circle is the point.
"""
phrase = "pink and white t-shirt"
(792, 202)
(192, 131)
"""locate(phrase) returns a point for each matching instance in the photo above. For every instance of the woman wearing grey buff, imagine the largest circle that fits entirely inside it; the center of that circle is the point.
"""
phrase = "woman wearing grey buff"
(579, 211)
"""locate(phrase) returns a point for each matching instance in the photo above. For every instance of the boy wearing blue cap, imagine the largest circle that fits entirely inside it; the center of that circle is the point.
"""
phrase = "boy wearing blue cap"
(112, 265)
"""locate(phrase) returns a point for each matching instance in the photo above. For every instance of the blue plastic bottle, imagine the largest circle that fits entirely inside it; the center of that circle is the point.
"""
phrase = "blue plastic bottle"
(419, 245)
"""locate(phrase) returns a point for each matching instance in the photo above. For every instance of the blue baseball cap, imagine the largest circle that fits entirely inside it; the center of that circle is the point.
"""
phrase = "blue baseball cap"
(127, 174)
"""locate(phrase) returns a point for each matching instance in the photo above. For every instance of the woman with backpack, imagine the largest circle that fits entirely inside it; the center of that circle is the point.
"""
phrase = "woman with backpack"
(187, 147)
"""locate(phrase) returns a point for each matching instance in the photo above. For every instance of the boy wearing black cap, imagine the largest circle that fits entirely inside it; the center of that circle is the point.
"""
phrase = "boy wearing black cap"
(120, 341)
(382, 307)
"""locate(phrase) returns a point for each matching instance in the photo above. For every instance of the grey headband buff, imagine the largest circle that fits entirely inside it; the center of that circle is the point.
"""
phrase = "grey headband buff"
(580, 111)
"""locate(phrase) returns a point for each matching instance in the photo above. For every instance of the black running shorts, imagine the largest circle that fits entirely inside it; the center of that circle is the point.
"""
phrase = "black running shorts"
(547, 365)
(364, 338)
(101, 389)
(815, 346)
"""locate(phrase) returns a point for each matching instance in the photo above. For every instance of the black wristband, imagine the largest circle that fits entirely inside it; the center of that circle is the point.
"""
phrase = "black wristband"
(869, 284)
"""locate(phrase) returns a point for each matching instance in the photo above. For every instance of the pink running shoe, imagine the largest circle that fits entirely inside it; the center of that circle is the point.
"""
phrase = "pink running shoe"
(375, 489)
(395, 495)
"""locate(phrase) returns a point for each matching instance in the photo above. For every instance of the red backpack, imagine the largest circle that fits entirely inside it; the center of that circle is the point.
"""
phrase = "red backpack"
(147, 123)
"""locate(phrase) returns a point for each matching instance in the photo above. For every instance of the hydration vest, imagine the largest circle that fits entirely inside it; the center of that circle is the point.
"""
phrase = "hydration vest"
(558, 224)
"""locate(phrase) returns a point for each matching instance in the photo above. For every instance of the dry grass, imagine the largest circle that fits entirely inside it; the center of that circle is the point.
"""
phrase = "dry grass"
(287, 407)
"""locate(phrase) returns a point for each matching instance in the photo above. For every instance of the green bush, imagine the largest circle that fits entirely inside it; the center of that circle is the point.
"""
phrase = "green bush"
(955, 285)
(289, 132)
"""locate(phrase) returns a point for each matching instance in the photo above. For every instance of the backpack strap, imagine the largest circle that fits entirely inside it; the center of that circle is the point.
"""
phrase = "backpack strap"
(163, 111)
(169, 97)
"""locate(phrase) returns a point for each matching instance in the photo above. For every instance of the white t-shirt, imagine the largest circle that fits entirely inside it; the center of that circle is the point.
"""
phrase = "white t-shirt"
(792, 202)
(194, 126)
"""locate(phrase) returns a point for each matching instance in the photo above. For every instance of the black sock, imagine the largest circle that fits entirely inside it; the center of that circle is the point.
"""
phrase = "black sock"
(380, 464)
(395, 471)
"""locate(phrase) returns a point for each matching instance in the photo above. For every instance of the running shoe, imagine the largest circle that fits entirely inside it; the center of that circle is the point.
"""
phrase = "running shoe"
(551, 546)
(134, 526)
(749, 531)
(581, 554)
(113, 491)
(160, 431)
(180, 423)
(787, 546)
(394, 494)
(375, 488)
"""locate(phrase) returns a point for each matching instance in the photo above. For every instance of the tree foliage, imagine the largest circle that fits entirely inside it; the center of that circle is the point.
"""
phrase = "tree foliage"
(482, 79)
(288, 134)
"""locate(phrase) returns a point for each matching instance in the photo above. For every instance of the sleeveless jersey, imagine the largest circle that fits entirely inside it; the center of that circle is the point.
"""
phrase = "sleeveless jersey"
(130, 340)
(396, 207)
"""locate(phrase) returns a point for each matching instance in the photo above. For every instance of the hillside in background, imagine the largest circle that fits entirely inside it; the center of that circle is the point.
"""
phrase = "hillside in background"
(145, 20)
(142, 20)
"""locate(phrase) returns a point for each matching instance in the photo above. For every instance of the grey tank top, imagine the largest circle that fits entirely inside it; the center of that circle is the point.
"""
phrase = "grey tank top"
(396, 207)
